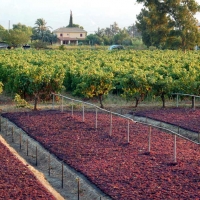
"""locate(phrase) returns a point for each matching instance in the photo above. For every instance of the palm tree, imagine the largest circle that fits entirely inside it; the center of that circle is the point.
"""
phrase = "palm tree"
(41, 27)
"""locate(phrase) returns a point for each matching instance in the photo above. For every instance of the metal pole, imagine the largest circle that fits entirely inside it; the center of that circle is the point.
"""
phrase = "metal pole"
(96, 118)
(175, 148)
(72, 107)
(62, 105)
(53, 101)
(83, 113)
(149, 143)
(62, 175)
(49, 162)
(36, 156)
(128, 132)
(194, 103)
(78, 186)
(177, 100)
(110, 123)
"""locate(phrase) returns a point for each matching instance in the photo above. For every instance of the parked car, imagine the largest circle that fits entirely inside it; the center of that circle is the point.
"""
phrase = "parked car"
(26, 46)
(117, 47)
(3, 45)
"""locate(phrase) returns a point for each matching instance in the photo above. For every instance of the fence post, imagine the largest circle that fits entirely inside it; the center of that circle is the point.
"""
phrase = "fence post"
(128, 132)
(62, 181)
(62, 105)
(176, 100)
(83, 113)
(36, 156)
(53, 101)
(78, 187)
(96, 118)
(149, 142)
(193, 102)
(49, 163)
(175, 161)
(110, 124)
(199, 137)
(72, 107)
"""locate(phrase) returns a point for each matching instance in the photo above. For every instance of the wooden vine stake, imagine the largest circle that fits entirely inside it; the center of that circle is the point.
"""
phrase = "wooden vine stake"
(36, 156)
(83, 113)
(149, 142)
(78, 188)
(175, 160)
(96, 117)
(72, 108)
(62, 179)
(49, 163)
(128, 132)
(110, 124)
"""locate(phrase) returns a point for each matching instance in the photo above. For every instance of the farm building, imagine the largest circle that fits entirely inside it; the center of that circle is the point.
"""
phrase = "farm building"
(70, 34)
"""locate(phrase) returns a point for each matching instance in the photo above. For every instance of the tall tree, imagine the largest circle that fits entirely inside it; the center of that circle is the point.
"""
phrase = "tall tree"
(120, 36)
(2, 32)
(70, 20)
(71, 24)
(114, 28)
(164, 23)
(41, 27)
(19, 35)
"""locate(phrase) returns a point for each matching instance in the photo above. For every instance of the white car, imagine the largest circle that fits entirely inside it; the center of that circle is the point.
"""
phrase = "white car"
(118, 47)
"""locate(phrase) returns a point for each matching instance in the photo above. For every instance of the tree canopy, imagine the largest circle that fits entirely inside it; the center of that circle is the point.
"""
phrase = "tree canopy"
(42, 32)
(114, 35)
(18, 35)
(164, 23)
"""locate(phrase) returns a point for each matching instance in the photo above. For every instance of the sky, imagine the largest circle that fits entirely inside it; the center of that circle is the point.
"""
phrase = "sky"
(91, 14)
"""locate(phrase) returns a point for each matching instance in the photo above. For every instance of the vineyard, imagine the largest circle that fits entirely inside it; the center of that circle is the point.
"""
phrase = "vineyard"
(134, 75)
(115, 160)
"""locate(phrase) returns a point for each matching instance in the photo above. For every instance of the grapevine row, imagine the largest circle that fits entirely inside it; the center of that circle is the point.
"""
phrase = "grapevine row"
(87, 73)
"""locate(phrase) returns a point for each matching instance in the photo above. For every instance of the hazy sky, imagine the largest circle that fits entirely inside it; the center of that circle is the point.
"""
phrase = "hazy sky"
(90, 14)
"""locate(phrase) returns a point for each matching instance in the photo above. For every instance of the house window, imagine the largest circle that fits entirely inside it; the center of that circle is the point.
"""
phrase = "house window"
(61, 34)
(81, 35)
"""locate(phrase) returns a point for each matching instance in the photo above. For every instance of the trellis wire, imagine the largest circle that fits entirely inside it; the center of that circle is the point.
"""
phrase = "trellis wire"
(117, 114)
